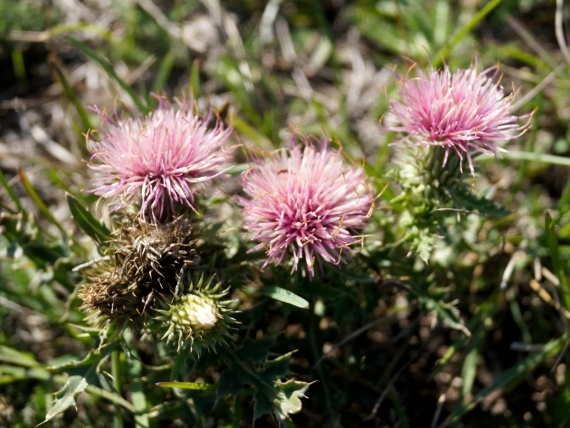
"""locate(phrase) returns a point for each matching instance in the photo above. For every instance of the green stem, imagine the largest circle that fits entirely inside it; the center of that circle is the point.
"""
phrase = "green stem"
(537, 157)
(116, 370)
(313, 322)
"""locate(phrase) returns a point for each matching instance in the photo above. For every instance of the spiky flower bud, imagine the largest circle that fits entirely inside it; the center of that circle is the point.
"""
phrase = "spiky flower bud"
(199, 318)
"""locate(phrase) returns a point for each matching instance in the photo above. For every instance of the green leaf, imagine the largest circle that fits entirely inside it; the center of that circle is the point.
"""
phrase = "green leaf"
(270, 395)
(13, 356)
(74, 386)
(187, 385)
(85, 220)
(286, 296)
(138, 389)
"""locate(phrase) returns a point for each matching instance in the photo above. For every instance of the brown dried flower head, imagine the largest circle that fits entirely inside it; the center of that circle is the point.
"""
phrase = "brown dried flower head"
(144, 262)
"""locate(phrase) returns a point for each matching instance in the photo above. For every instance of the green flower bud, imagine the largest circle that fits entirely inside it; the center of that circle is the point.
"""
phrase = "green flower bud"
(199, 318)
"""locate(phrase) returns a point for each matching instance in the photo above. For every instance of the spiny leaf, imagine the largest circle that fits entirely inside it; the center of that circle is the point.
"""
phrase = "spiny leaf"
(73, 387)
(288, 400)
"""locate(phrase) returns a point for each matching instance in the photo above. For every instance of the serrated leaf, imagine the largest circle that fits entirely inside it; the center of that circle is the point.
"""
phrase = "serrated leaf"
(288, 400)
(286, 296)
(74, 386)
(85, 220)
(263, 376)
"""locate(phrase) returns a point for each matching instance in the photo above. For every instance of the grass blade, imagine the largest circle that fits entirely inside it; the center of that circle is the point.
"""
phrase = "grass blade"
(445, 50)
(552, 240)
(85, 220)
(286, 296)
(108, 68)
(38, 201)
(11, 194)
(70, 93)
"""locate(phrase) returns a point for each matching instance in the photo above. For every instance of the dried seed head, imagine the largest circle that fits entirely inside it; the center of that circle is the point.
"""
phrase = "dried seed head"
(200, 318)
(145, 261)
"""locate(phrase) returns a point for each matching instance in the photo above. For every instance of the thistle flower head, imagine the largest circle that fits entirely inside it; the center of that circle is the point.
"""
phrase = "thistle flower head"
(465, 113)
(200, 318)
(144, 262)
(307, 203)
(160, 161)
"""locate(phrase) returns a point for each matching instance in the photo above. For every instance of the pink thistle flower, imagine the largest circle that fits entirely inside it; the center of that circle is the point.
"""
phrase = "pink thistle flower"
(464, 112)
(160, 161)
(307, 203)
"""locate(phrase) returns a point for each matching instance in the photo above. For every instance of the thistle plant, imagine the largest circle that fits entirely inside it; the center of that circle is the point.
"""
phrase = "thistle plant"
(376, 281)
(305, 203)
(446, 119)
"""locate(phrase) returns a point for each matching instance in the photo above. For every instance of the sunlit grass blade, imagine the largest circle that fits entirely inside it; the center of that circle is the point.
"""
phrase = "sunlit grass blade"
(195, 80)
(85, 220)
(253, 134)
(38, 201)
(110, 71)
(70, 93)
(537, 157)
(166, 65)
(286, 296)
(440, 57)
(187, 385)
